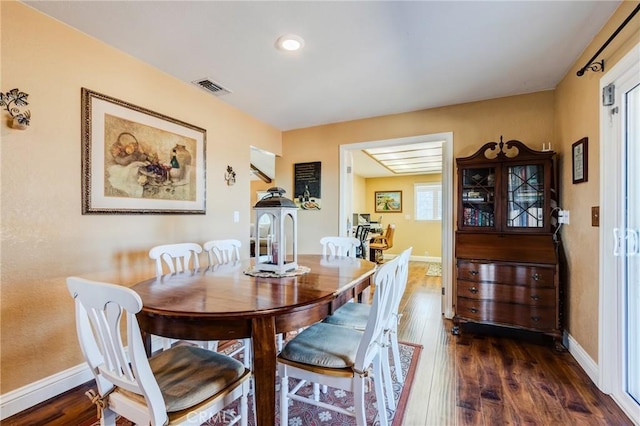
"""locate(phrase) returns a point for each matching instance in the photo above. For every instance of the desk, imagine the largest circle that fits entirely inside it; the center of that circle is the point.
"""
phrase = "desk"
(222, 303)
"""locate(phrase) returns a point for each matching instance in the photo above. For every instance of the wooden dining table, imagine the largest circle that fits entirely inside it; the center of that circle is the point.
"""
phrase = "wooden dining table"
(223, 302)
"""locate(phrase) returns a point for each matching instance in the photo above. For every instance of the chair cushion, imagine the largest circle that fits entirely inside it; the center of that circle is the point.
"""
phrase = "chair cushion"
(379, 245)
(354, 315)
(188, 375)
(324, 345)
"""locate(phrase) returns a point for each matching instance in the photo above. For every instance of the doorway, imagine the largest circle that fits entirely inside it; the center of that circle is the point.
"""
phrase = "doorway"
(346, 189)
(619, 316)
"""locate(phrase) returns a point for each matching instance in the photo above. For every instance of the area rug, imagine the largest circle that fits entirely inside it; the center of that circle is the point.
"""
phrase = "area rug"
(301, 414)
(434, 269)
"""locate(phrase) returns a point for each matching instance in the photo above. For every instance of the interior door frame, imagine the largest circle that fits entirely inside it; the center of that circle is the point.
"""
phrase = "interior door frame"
(346, 183)
(610, 322)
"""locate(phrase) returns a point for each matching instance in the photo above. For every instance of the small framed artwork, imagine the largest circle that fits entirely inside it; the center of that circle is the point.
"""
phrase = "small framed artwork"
(136, 161)
(307, 178)
(579, 151)
(388, 201)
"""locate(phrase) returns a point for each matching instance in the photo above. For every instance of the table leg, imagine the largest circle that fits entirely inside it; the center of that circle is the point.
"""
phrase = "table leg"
(146, 340)
(264, 369)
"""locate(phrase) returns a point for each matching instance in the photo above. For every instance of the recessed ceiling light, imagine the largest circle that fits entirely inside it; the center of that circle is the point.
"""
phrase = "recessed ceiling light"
(290, 42)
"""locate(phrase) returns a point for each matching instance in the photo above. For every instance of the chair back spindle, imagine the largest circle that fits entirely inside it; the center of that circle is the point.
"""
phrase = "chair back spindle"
(222, 251)
(176, 257)
(339, 246)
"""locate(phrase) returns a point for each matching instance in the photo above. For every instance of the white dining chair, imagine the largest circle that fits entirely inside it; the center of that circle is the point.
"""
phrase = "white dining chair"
(356, 315)
(341, 357)
(224, 252)
(174, 258)
(339, 246)
(182, 385)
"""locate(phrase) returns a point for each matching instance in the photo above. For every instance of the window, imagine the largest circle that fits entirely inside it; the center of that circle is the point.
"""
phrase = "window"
(428, 201)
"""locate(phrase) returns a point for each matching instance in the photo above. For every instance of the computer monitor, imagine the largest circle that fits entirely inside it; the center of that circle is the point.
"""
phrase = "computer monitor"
(361, 219)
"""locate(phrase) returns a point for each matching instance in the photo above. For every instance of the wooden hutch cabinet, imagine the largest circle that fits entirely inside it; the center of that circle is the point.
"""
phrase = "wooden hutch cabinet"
(507, 253)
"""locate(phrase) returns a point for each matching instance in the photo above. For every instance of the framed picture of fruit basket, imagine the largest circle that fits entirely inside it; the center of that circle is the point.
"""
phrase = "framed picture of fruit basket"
(136, 161)
(388, 201)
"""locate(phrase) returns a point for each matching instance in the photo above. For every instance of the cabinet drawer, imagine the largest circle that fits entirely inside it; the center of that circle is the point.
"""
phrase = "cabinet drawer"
(532, 317)
(525, 295)
(537, 276)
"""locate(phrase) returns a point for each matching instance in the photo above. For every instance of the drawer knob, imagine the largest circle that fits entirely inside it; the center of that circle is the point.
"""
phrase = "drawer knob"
(536, 277)
(474, 273)
(535, 297)
(473, 290)
(473, 310)
(535, 319)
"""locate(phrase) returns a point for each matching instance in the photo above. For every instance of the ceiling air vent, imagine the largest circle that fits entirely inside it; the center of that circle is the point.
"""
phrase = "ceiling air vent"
(212, 86)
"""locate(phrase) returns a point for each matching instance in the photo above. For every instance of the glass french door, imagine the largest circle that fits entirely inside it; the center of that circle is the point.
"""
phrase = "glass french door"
(619, 335)
(631, 259)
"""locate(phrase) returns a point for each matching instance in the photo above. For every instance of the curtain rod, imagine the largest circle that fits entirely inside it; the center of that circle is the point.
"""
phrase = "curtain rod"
(599, 66)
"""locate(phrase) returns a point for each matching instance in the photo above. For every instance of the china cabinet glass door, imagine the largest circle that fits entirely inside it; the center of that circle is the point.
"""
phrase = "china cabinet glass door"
(525, 196)
(478, 197)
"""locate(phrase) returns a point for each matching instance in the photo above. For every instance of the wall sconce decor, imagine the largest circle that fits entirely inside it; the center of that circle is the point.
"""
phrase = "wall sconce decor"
(230, 176)
(11, 101)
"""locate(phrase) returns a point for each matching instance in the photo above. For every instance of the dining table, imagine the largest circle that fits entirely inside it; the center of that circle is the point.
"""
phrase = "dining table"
(235, 301)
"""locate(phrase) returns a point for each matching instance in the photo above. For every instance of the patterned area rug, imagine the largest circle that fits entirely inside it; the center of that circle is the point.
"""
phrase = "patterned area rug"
(434, 269)
(301, 414)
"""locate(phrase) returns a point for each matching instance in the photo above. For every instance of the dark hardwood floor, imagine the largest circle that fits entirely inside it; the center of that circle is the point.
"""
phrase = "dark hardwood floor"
(488, 376)
(478, 378)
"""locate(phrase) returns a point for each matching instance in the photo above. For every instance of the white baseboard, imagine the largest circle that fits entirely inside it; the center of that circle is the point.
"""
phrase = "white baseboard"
(34, 393)
(582, 357)
(415, 258)
(425, 259)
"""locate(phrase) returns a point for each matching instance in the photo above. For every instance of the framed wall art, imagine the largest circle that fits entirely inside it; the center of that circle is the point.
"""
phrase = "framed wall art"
(388, 201)
(306, 178)
(579, 151)
(136, 161)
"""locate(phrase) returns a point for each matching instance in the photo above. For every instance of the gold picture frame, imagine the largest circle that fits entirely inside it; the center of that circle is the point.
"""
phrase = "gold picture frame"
(388, 201)
(137, 161)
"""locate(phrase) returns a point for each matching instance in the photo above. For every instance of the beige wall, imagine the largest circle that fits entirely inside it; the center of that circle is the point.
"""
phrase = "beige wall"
(359, 195)
(424, 236)
(257, 185)
(45, 238)
(578, 101)
(529, 118)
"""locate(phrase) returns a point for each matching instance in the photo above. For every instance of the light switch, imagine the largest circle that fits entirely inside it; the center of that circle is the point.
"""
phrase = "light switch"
(595, 216)
(236, 216)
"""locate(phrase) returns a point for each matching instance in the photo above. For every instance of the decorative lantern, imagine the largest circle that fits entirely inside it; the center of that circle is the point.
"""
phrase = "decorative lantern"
(278, 209)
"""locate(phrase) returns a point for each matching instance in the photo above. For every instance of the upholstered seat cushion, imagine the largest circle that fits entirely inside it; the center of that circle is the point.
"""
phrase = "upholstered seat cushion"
(324, 345)
(353, 315)
(188, 375)
(381, 245)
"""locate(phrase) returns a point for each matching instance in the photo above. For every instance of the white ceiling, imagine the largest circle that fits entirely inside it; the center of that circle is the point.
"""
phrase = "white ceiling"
(360, 59)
